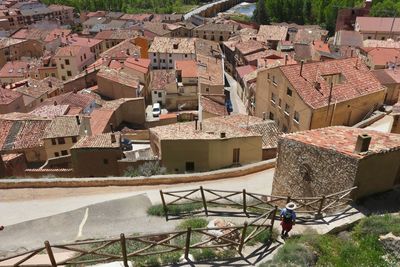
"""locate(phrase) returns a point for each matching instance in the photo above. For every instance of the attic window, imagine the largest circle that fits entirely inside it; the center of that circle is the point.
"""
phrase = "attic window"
(335, 78)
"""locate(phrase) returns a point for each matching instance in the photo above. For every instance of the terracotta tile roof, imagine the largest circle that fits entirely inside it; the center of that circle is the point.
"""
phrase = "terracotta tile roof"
(214, 105)
(207, 48)
(50, 111)
(100, 119)
(65, 126)
(158, 28)
(209, 70)
(15, 69)
(115, 65)
(269, 131)
(62, 33)
(161, 78)
(343, 140)
(211, 130)
(172, 45)
(56, 7)
(250, 46)
(387, 76)
(377, 24)
(94, 21)
(244, 70)
(8, 96)
(21, 134)
(348, 38)
(120, 34)
(31, 34)
(139, 64)
(10, 157)
(307, 35)
(72, 99)
(119, 77)
(75, 40)
(217, 27)
(302, 51)
(187, 67)
(381, 56)
(37, 88)
(98, 141)
(321, 46)
(122, 51)
(69, 51)
(137, 17)
(272, 33)
(356, 81)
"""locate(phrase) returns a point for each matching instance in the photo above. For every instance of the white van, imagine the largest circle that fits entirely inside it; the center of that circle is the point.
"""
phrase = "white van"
(156, 109)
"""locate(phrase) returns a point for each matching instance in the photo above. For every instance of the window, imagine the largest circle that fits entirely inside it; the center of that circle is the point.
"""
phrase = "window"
(155, 60)
(289, 92)
(280, 103)
(170, 61)
(84, 56)
(207, 90)
(69, 73)
(81, 58)
(273, 98)
(273, 80)
(67, 62)
(287, 109)
(105, 161)
(185, 55)
(268, 77)
(74, 139)
(63, 78)
(296, 117)
(189, 166)
(56, 154)
(154, 54)
(64, 152)
(170, 55)
(383, 38)
(62, 66)
(53, 75)
(53, 141)
(271, 116)
(159, 94)
(163, 61)
(61, 140)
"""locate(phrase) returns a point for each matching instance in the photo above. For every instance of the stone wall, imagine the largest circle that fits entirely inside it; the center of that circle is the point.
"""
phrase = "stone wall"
(305, 170)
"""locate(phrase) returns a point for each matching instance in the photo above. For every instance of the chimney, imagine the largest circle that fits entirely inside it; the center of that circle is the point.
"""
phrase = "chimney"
(362, 145)
(301, 68)
(222, 134)
(50, 84)
(55, 103)
(286, 59)
(136, 56)
(78, 120)
(195, 123)
(113, 139)
(111, 127)
(127, 51)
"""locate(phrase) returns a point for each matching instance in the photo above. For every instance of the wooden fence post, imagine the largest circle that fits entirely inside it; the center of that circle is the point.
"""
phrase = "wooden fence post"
(50, 254)
(245, 203)
(187, 245)
(242, 238)
(321, 205)
(123, 249)
(273, 220)
(164, 205)
(203, 197)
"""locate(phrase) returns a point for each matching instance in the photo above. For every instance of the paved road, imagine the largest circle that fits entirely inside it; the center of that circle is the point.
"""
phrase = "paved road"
(237, 104)
(19, 205)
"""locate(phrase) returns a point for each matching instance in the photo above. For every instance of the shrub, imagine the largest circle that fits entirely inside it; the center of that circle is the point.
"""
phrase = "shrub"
(294, 252)
(193, 223)
(170, 258)
(377, 225)
(147, 261)
(204, 254)
(147, 169)
(158, 210)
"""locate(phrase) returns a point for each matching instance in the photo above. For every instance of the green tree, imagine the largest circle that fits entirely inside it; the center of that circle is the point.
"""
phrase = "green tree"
(260, 13)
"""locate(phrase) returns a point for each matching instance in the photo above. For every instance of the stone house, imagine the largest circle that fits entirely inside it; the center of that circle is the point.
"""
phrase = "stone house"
(396, 118)
(72, 60)
(379, 57)
(320, 94)
(11, 101)
(14, 49)
(63, 132)
(378, 28)
(117, 84)
(328, 160)
(215, 32)
(97, 155)
(390, 78)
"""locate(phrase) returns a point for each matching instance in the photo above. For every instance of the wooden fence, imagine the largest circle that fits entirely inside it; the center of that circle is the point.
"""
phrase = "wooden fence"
(185, 241)
(249, 202)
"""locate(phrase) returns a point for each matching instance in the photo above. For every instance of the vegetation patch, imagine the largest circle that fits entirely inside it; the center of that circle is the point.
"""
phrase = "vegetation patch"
(147, 169)
(193, 223)
(361, 249)
(175, 210)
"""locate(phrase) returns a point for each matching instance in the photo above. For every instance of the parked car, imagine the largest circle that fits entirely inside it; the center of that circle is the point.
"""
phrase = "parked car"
(156, 109)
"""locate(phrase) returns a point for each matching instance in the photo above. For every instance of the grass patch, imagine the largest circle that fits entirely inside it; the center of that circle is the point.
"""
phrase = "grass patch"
(263, 237)
(193, 223)
(377, 225)
(175, 210)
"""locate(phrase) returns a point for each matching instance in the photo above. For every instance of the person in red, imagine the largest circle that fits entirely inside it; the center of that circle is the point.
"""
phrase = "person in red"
(288, 219)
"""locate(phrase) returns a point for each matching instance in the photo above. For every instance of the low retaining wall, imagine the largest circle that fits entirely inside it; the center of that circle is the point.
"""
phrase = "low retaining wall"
(137, 181)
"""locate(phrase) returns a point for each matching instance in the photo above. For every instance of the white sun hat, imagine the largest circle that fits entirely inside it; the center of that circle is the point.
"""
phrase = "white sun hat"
(291, 206)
